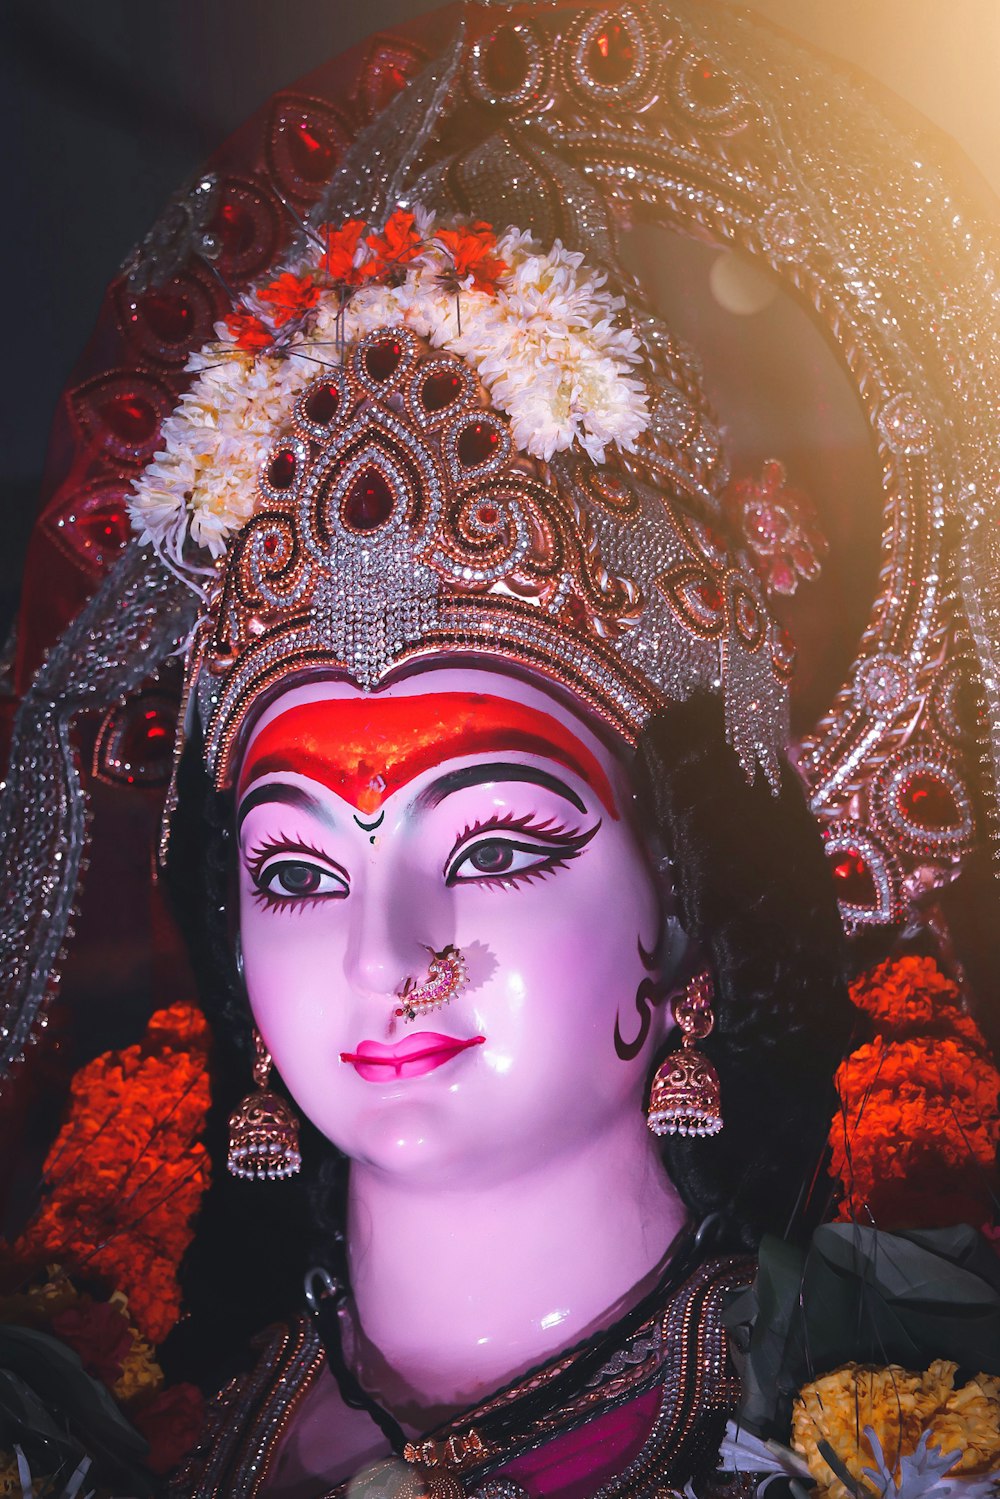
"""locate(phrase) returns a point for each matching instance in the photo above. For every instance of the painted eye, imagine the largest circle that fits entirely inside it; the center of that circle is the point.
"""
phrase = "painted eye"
(292, 879)
(491, 858)
(496, 858)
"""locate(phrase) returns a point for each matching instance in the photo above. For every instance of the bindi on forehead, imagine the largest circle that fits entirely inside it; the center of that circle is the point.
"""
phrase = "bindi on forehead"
(365, 749)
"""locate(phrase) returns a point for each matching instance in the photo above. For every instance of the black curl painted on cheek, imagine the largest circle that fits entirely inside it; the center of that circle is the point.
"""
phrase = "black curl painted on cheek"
(651, 993)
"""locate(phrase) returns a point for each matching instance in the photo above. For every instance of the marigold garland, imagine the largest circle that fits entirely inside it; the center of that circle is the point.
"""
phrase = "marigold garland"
(899, 1405)
(125, 1177)
(915, 1144)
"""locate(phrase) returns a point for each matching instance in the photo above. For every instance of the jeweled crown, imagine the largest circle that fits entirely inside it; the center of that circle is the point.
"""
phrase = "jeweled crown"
(397, 521)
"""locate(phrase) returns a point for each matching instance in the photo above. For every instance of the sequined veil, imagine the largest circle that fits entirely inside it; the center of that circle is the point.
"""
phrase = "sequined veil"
(573, 122)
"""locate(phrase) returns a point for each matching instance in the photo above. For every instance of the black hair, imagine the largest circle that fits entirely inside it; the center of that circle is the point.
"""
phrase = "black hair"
(752, 889)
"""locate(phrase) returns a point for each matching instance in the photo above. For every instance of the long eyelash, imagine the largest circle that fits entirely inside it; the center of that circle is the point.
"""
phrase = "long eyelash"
(256, 857)
(551, 829)
(567, 846)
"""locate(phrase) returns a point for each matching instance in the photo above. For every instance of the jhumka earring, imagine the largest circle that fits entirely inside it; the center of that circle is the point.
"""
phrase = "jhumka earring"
(263, 1131)
(446, 977)
(685, 1095)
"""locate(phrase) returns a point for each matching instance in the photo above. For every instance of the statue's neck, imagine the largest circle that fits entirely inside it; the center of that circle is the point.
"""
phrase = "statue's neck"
(459, 1289)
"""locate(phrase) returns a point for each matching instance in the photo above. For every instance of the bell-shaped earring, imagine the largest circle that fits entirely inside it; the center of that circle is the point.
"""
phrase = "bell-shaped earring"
(263, 1131)
(685, 1095)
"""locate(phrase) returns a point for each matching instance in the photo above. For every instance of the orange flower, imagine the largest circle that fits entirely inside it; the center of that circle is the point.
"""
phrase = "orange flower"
(127, 1172)
(908, 992)
(290, 296)
(917, 1139)
(249, 332)
(471, 253)
(397, 244)
(341, 249)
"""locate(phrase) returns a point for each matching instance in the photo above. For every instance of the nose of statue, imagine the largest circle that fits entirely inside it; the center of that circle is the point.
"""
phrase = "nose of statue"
(388, 942)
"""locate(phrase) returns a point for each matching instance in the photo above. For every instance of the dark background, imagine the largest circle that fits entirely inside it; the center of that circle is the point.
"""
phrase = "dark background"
(110, 105)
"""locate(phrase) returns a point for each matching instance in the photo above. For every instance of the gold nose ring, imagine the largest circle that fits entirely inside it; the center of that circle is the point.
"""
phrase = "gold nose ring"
(447, 976)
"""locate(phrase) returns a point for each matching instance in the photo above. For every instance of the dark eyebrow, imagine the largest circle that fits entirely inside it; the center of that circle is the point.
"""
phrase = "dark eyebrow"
(477, 775)
(278, 791)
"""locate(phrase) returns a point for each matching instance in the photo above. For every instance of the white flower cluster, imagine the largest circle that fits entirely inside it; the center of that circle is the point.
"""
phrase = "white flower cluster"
(545, 341)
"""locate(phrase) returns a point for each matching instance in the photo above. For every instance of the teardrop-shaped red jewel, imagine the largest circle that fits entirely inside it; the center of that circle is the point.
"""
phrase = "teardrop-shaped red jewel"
(382, 359)
(477, 442)
(708, 594)
(168, 315)
(131, 418)
(105, 528)
(145, 745)
(270, 545)
(505, 62)
(928, 803)
(311, 150)
(322, 402)
(611, 55)
(708, 86)
(369, 502)
(440, 390)
(236, 227)
(854, 881)
(281, 470)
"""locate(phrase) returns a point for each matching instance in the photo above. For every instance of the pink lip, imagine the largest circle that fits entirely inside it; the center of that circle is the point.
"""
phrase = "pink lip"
(413, 1056)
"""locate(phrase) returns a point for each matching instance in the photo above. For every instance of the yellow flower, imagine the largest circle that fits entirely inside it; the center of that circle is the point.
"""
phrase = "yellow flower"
(899, 1405)
(141, 1374)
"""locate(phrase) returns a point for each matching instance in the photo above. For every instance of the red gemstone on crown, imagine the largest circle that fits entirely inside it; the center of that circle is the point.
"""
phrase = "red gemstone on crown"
(311, 150)
(854, 881)
(926, 802)
(236, 227)
(270, 545)
(440, 390)
(505, 62)
(708, 594)
(477, 442)
(369, 502)
(610, 57)
(168, 315)
(322, 402)
(708, 86)
(102, 530)
(130, 418)
(281, 470)
(382, 359)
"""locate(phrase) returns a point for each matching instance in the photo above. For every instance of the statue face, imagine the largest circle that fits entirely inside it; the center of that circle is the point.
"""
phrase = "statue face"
(462, 807)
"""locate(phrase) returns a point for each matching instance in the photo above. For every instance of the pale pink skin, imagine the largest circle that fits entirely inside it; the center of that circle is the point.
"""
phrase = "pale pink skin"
(508, 1200)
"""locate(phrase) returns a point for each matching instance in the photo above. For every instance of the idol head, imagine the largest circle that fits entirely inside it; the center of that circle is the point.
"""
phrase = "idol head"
(472, 809)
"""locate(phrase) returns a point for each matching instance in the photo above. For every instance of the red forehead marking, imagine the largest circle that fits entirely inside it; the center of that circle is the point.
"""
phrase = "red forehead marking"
(364, 749)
